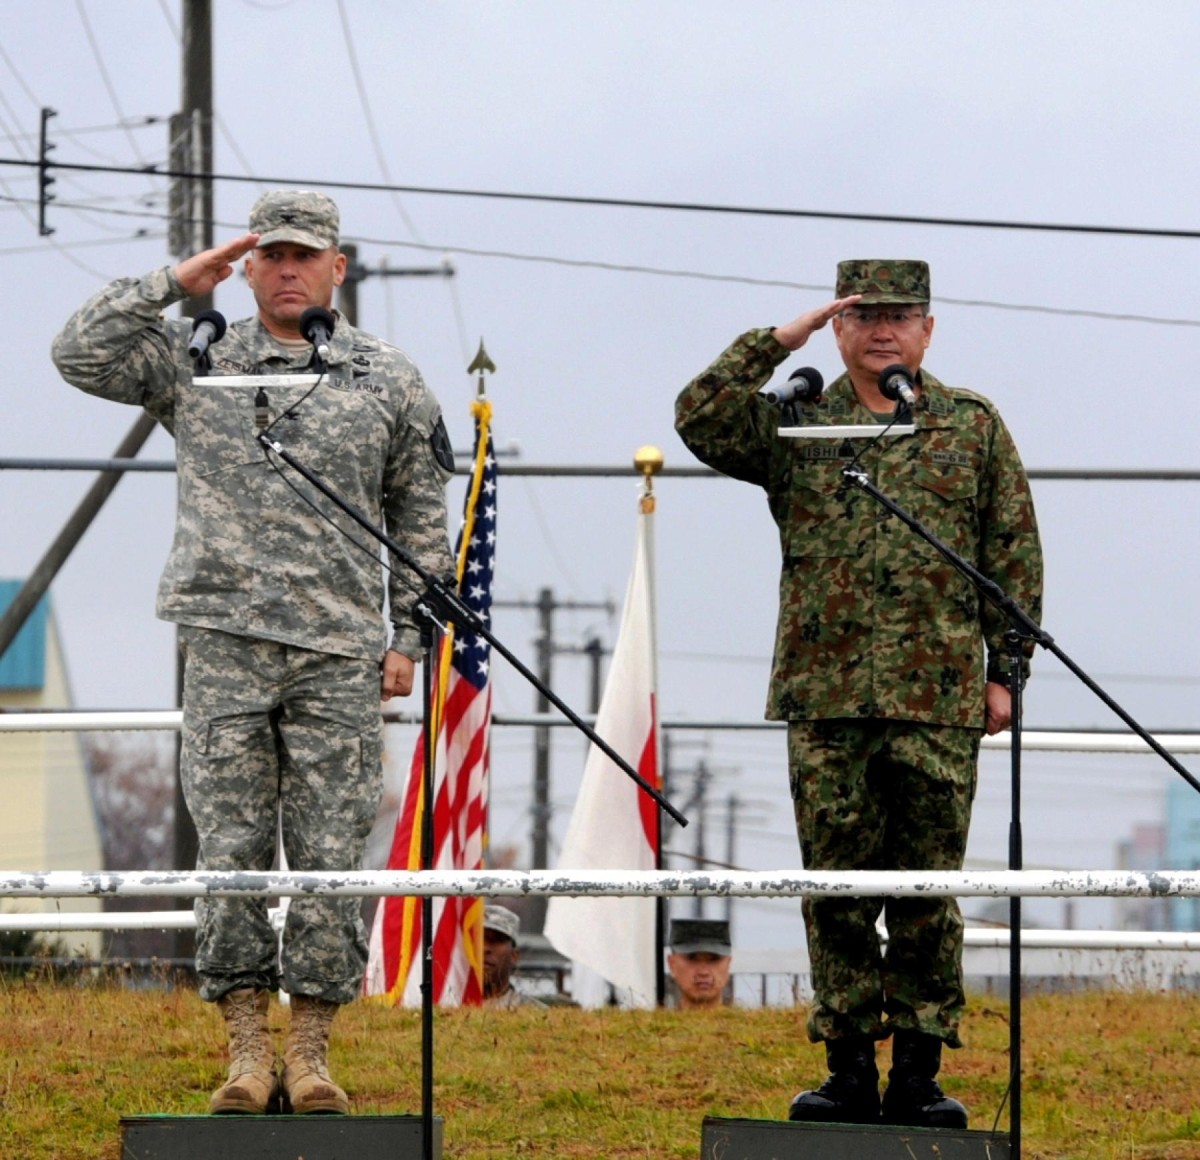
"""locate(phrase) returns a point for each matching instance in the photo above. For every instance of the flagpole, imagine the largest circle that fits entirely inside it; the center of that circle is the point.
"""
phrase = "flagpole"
(648, 460)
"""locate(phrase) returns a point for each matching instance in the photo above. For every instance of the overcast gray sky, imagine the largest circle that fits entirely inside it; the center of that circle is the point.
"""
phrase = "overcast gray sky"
(1043, 113)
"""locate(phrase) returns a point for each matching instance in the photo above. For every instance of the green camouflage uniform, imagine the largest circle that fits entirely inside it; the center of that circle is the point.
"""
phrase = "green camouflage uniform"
(283, 616)
(878, 664)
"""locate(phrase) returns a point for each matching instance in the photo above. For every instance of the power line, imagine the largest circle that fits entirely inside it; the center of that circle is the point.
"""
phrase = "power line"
(123, 126)
(656, 271)
(20, 204)
(62, 247)
(14, 137)
(645, 203)
(222, 128)
(12, 68)
(104, 76)
(369, 116)
(90, 207)
(627, 268)
(1065, 311)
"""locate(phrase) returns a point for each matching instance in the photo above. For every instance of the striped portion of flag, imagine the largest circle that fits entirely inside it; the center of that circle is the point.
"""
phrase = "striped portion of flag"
(462, 720)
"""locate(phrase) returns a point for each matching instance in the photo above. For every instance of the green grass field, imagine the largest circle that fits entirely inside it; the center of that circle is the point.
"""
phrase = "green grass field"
(1106, 1074)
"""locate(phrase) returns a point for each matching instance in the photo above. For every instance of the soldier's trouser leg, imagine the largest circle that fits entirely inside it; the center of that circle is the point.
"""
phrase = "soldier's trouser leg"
(929, 816)
(330, 785)
(268, 726)
(871, 796)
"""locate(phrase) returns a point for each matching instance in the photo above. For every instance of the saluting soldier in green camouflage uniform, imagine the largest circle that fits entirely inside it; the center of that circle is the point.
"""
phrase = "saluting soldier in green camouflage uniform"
(281, 616)
(879, 665)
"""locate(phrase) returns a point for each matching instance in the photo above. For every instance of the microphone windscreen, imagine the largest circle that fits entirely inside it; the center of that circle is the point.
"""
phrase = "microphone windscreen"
(215, 318)
(313, 317)
(809, 384)
(890, 379)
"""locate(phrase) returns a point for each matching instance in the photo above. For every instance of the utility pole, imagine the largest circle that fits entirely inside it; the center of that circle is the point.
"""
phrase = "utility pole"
(593, 648)
(700, 797)
(39, 580)
(190, 199)
(546, 606)
(191, 232)
(356, 272)
(540, 836)
(45, 181)
(733, 807)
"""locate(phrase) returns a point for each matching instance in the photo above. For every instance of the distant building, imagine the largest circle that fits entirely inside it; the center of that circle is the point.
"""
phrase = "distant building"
(1144, 850)
(49, 819)
(1183, 848)
(1172, 845)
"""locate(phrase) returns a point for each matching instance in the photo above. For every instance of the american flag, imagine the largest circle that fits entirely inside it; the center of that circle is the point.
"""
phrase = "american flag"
(462, 720)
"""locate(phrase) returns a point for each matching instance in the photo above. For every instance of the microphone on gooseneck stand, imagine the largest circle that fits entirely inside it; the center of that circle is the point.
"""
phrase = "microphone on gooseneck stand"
(316, 326)
(896, 382)
(802, 386)
(208, 328)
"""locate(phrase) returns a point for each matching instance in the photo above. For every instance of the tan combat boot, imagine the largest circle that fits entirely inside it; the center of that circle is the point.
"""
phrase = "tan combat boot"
(252, 1087)
(307, 1087)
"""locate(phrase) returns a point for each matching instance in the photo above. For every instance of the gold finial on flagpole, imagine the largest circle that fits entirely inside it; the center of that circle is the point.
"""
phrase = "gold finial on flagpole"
(483, 364)
(649, 461)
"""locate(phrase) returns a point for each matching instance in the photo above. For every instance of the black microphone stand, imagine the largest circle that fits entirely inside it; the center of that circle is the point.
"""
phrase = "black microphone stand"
(430, 632)
(1022, 629)
(439, 604)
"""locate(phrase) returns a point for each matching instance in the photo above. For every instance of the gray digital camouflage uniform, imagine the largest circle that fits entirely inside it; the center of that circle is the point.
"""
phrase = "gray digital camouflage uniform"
(879, 663)
(283, 616)
(511, 999)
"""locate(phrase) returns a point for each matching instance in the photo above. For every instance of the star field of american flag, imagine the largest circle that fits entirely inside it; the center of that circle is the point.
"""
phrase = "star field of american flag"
(472, 653)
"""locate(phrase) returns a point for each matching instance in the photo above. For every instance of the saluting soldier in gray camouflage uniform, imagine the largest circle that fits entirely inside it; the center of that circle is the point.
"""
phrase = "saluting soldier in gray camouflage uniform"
(281, 616)
(879, 665)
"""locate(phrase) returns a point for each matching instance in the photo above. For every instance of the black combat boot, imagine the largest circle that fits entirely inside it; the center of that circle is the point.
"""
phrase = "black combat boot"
(913, 1097)
(851, 1093)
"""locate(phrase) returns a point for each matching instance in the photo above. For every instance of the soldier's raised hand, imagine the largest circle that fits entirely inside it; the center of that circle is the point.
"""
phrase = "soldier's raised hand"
(200, 273)
(797, 332)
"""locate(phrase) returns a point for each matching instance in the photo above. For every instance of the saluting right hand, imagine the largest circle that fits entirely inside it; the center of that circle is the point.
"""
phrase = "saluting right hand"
(797, 332)
(200, 273)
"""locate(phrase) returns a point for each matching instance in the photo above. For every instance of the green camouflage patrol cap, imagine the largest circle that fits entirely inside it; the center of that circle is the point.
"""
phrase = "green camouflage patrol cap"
(699, 936)
(883, 280)
(295, 215)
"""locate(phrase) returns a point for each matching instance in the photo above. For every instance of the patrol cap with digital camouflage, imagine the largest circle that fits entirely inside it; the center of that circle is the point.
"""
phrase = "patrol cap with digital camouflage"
(502, 920)
(697, 936)
(883, 280)
(302, 216)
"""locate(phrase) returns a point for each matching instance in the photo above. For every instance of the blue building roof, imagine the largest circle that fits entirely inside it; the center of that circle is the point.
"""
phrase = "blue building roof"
(23, 665)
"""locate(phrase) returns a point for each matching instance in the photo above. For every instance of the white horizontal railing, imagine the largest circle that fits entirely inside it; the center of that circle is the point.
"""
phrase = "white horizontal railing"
(147, 720)
(604, 883)
(171, 719)
(98, 920)
(985, 937)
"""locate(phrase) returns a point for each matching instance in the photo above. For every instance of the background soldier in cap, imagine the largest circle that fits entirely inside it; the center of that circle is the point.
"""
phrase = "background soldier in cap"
(879, 664)
(501, 957)
(281, 617)
(699, 961)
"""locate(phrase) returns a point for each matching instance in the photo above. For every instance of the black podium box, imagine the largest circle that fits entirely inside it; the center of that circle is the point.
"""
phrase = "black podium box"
(276, 1137)
(731, 1139)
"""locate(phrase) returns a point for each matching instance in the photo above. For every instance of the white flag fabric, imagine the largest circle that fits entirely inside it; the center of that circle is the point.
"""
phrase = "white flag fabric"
(614, 825)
